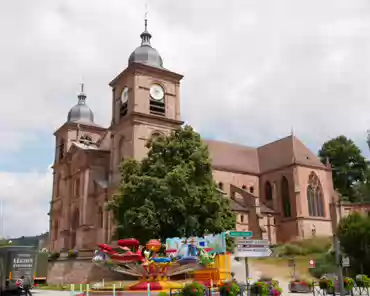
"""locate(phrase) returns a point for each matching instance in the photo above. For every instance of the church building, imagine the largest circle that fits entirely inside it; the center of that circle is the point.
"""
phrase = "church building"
(280, 191)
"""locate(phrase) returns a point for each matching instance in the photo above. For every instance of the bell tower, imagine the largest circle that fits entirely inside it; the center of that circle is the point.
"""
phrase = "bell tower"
(145, 102)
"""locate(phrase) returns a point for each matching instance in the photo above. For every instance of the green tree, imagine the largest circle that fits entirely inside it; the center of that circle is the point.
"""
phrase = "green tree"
(354, 236)
(349, 166)
(361, 190)
(4, 242)
(171, 192)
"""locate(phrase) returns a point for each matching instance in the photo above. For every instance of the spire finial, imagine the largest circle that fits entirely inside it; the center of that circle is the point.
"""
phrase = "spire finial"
(146, 17)
(82, 96)
(293, 145)
(145, 36)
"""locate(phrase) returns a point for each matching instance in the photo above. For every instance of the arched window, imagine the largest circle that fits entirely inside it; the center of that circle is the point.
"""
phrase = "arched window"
(75, 223)
(251, 189)
(244, 187)
(315, 198)
(85, 139)
(285, 197)
(75, 220)
(57, 186)
(56, 229)
(156, 134)
(121, 148)
(220, 186)
(268, 191)
(157, 100)
(77, 187)
(101, 216)
(61, 149)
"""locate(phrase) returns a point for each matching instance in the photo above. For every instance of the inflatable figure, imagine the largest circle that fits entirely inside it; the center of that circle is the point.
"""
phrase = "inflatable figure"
(192, 247)
(205, 258)
(188, 253)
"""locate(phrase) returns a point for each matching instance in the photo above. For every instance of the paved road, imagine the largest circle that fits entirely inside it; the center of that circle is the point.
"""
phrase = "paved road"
(50, 293)
(239, 269)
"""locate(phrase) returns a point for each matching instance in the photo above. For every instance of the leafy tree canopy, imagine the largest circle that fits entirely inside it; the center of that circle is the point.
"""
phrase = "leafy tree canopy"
(354, 236)
(361, 190)
(349, 166)
(171, 192)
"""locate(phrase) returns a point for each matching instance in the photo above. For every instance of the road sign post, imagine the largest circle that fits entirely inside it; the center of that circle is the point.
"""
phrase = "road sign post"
(345, 264)
(246, 270)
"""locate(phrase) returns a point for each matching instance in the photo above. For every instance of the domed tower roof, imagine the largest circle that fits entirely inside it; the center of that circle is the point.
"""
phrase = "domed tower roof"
(80, 112)
(145, 53)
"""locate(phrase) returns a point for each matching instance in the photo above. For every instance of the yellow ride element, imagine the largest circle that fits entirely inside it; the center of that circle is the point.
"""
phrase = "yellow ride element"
(221, 271)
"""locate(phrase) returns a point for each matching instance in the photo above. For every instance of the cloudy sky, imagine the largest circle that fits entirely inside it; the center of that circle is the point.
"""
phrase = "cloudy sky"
(253, 70)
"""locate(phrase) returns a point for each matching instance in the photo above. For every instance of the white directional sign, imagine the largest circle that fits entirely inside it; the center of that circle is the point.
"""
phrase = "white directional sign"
(252, 248)
(252, 242)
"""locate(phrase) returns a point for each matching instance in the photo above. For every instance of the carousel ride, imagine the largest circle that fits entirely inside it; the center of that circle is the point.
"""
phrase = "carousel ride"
(155, 265)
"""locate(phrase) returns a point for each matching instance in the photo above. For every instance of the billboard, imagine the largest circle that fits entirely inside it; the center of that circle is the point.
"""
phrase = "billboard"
(216, 242)
(22, 263)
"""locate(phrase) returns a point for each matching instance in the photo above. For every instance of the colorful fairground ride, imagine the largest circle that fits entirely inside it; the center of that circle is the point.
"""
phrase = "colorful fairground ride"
(163, 267)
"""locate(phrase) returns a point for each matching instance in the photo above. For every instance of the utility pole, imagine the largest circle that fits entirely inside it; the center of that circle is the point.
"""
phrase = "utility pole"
(336, 244)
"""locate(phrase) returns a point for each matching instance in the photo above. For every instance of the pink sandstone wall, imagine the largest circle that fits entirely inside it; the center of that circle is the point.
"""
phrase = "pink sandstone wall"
(241, 226)
(286, 227)
(275, 178)
(237, 179)
(304, 174)
(78, 271)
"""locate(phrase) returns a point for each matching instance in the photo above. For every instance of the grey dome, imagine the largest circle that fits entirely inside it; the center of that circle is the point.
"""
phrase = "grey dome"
(145, 53)
(81, 112)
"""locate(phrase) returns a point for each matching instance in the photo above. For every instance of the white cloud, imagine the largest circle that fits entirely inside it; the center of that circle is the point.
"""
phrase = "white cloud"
(261, 66)
(25, 198)
(253, 69)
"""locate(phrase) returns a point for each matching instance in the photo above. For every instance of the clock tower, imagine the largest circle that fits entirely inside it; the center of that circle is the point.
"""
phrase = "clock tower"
(145, 103)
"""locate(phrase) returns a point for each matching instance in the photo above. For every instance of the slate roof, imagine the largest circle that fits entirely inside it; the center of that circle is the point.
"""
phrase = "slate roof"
(269, 157)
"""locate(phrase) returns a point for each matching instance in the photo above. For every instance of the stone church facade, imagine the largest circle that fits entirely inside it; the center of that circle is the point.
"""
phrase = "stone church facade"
(281, 191)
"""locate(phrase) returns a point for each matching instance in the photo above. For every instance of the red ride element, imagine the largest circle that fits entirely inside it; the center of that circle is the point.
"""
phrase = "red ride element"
(153, 243)
(143, 286)
(127, 257)
(128, 242)
(171, 251)
(105, 247)
(208, 249)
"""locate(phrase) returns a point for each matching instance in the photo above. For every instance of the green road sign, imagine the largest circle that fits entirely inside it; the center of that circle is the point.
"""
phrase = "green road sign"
(240, 233)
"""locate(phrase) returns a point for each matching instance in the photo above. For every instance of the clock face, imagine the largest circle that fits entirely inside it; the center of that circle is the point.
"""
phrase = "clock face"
(156, 92)
(124, 95)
